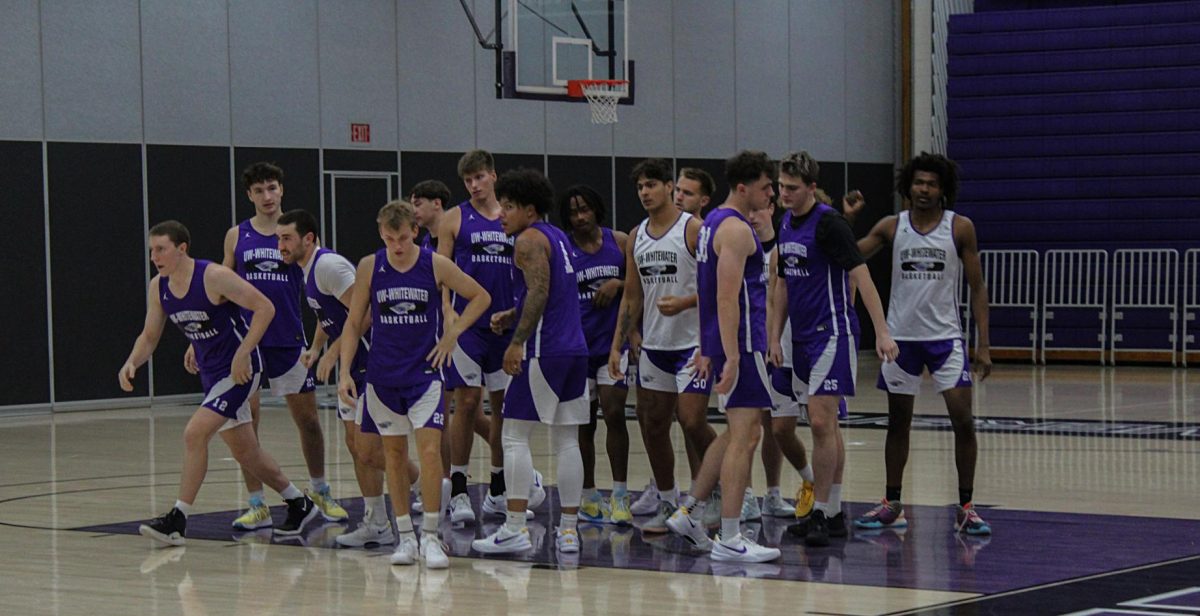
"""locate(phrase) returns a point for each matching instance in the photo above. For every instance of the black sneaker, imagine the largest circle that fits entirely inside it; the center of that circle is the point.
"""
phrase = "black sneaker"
(837, 525)
(168, 529)
(818, 529)
(300, 511)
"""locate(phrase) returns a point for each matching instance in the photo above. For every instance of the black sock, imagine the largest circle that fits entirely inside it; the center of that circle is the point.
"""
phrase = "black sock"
(458, 484)
(497, 488)
(893, 493)
(964, 496)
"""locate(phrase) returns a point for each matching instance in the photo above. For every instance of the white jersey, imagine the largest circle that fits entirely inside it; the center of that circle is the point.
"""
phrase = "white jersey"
(926, 278)
(666, 267)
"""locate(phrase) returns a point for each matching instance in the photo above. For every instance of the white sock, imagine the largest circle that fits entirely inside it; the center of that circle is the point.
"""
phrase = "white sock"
(256, 499)
(514, 521)
(773, 491)
(730, 527)
(689, 501)
(183, 508)
(455, 468)
(568, 521)
(835, 498)
(825, 508)
(806, 473)
(375, 510)
(404, 524)
(429, 523)
(291, 492)
(619, 488)
(318, 484)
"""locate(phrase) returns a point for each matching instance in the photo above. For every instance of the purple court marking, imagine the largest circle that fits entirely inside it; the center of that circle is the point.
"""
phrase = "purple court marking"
(1029, 547)
(1187, 599)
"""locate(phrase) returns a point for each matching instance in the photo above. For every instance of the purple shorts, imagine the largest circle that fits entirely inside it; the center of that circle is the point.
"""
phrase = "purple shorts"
(283, 371)
(552, 390)
(946, 360)
(478, 360)
(397, 411)
(752, 390)
(228, 399)
(824, 366)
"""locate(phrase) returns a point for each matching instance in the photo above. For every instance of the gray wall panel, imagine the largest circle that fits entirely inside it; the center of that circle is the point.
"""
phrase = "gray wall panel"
(705, 107)
(93, 81)
(274, 72)
(818, 78)
(501, 125)
(872, 125)
(761, 66)
(647, 128)
(358, 71)
(569, 130)
(437, 76)
(20, 72)
(185, 63)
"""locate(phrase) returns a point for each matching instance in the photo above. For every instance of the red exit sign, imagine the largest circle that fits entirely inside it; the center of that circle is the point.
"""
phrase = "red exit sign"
(360, 133)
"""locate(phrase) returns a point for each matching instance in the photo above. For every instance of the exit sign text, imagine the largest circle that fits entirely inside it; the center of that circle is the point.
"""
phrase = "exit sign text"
(360, 133)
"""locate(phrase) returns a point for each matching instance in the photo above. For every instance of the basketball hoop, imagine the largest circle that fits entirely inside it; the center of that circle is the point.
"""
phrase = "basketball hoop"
(602, 96)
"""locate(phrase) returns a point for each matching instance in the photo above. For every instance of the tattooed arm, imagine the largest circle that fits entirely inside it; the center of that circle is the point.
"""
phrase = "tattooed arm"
(532, 257)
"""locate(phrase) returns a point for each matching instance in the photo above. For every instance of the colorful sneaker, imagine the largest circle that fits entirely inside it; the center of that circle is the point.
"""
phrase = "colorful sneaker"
(366, 534)
(887, 514)
(255, 517)
(503, 541)
(619, 512)
(329, 507)
(967, 521)
(168, 529)
(738, 549)
(461, 509)
(567, 540)
(592, 509)
(658, 524)
(750, 509)
(806, 499)
(683, 524)
(647, 502)
(773, 506)
(537, 492)
(406, 550)
(300, 511)
(434, 553)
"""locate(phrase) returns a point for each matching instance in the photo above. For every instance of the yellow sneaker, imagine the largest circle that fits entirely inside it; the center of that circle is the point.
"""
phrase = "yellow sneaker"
(619, 510)
(805, 499)
(329, 507)
(255, 517)
(591, 510)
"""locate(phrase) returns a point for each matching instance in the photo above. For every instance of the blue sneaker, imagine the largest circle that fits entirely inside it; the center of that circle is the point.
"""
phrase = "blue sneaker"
(967, 521)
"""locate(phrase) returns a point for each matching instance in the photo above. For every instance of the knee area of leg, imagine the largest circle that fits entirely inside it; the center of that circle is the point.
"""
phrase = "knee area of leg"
(563, 438)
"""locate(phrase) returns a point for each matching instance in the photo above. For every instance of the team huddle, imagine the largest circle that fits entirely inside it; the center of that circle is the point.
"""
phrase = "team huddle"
(556, 324)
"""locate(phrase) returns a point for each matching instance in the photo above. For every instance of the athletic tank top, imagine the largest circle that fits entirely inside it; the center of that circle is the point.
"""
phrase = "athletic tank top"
(331, 313)
(752, 297)
(484, 252)
(818, 289)
(666, 267)
(785, 339)
(257, 259)
(926, 272)
(215, 330)
(591, 272)
(405, 321)
(558, 332)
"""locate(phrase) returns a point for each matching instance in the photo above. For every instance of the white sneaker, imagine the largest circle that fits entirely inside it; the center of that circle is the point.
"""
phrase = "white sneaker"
(495, 505)
(774, 506)
(567, 540)
(537, 492)
(503, 541)
(367, 533)
(446, 489)
(647, 503)
(433, 553)
(683, 524)
(461, 510)
(738, 549)
(406, 550)
(750, 509)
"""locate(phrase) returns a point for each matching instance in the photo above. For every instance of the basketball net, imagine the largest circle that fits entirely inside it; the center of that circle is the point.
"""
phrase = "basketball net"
(602, 99)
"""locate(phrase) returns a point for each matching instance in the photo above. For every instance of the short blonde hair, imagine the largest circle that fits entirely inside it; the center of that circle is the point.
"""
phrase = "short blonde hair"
(397, 215)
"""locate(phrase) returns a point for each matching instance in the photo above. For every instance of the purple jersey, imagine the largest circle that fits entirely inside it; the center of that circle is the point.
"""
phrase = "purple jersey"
(818, 289)
(215, 330)
(331, 312)
(484, 252)
(558, 332)
(406, 310)
(752, 299)
(257, 260)
(591, 271)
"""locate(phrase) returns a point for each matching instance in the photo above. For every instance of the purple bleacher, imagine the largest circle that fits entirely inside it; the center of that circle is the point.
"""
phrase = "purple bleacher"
(1077, 145)
(1074, 124)
(1144, 165)
(1083, 81)
(1039, 210)
(1070, 39)
(1085, 102)
(1084, 60)
(1078, 14)
(1008, 190)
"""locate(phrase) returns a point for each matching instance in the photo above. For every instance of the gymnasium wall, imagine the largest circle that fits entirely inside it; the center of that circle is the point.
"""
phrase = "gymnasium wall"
(117, 114)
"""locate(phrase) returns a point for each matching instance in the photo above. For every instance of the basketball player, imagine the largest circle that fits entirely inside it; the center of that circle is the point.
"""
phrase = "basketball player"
(931, 247)
(251, 249)
(401, 286)
(203, 300)
(819, 261)
(472, 236)
(732, 288)
(328, 286)
(662, 299)
(429, 199)
(598, 258)
(547, 358)
(693, 190)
